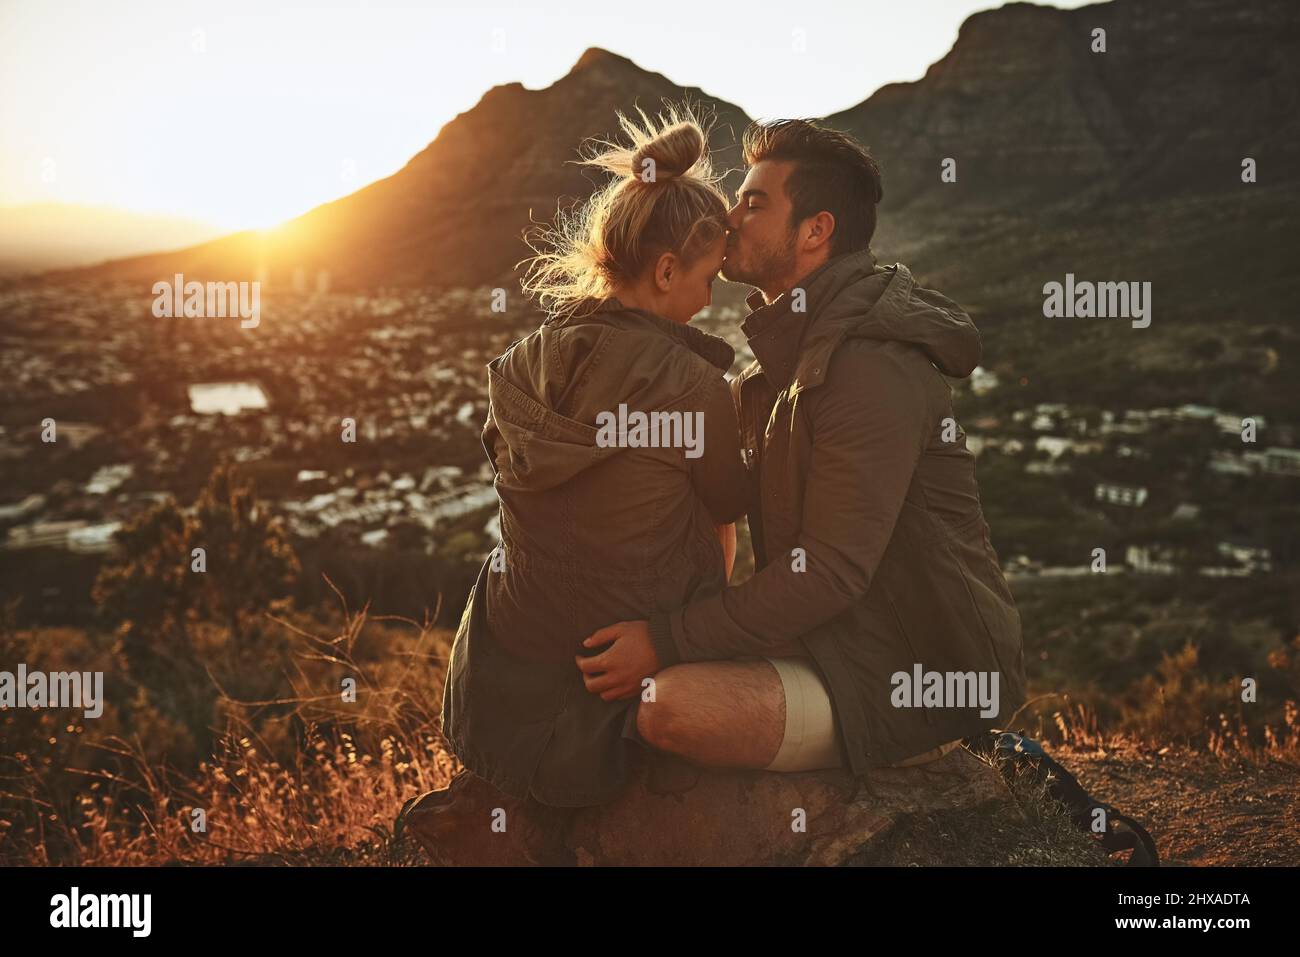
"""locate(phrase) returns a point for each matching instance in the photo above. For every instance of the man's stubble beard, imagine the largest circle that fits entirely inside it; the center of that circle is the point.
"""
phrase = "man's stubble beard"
(769, 267)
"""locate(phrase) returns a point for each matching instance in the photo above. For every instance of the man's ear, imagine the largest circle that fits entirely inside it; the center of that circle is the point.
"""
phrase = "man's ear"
(666, 269)
(817, 231)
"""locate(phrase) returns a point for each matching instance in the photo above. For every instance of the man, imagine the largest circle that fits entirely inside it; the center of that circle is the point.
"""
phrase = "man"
(875, 574)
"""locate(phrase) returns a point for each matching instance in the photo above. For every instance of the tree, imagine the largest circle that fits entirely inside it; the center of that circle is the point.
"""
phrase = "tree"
(148, 594)
(157, 595)
(250, 562)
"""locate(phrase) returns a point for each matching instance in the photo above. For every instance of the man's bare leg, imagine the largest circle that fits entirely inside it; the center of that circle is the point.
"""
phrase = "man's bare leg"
(728, 714)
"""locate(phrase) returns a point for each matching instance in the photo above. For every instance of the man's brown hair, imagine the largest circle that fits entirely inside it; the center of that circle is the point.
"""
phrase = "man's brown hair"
(832, 172)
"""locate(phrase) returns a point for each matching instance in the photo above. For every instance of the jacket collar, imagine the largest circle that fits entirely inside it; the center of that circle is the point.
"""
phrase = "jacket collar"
(780, 337)
(612, 312)
(774, 332)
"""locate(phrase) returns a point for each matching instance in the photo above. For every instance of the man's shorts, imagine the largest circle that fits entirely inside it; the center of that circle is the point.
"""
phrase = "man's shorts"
(812, 740)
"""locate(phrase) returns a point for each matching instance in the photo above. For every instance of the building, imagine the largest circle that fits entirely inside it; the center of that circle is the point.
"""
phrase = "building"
(1278, 461)
(1110, 493)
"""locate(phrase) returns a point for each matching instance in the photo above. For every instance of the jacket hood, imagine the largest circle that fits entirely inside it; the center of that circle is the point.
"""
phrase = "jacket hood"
(852, 297)
(531, 445)
(546, 391)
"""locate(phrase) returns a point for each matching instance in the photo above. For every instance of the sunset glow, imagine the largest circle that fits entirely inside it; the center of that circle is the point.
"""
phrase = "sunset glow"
(244, 114)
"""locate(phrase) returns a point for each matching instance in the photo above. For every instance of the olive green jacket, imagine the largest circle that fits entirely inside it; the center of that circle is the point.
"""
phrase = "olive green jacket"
(592, 533)
(869, 538)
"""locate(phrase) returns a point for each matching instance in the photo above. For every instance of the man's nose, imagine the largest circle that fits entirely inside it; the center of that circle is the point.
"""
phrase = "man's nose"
(733, 217)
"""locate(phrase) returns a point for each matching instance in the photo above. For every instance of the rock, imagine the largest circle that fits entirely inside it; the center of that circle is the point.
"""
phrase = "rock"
(672, 813)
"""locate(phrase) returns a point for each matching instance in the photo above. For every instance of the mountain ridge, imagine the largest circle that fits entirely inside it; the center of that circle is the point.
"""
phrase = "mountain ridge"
(1041, 128)
(364, 238)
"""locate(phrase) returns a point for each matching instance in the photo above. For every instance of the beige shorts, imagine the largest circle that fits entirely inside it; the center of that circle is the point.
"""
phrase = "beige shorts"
(812, 740)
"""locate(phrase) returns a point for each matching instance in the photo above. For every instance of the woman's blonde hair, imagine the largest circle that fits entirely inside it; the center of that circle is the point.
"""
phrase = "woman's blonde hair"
(664, 197)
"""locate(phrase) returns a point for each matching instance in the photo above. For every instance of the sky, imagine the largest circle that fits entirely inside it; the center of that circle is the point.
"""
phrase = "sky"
(244, 113)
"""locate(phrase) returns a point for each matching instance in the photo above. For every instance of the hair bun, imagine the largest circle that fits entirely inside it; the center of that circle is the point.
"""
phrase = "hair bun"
(611, 237)
(673, 152)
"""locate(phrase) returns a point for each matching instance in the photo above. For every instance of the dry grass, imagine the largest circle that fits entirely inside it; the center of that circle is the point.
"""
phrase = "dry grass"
(320, 781)
(255, 810)
(309, 778)
(1078, 725)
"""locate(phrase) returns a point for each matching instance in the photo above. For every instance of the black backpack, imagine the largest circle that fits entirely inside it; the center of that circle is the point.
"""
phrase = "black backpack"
(1012, 750)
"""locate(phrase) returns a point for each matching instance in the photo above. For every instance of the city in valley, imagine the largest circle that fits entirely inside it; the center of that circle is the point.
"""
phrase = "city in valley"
(108, 408)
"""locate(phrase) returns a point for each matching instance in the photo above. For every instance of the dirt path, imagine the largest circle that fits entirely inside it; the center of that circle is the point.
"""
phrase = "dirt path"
(1200, 809)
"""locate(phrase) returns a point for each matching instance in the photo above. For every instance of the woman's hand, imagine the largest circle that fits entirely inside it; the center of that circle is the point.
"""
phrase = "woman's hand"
(617, 672)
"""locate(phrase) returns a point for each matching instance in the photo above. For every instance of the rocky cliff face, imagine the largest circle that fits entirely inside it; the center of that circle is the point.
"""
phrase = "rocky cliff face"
(1184, 90)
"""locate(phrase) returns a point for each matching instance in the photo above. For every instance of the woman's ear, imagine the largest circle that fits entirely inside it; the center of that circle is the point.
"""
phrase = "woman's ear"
(666, 268)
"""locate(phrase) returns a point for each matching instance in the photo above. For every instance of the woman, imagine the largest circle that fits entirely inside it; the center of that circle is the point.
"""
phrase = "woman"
(599, 525)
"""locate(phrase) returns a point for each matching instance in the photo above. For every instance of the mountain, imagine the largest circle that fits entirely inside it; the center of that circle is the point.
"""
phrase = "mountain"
(1122, 166)
(1184, 90)
(1117, 166)
(456, 213)
(1048, 136)
(1127, 159)
(43, 236)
